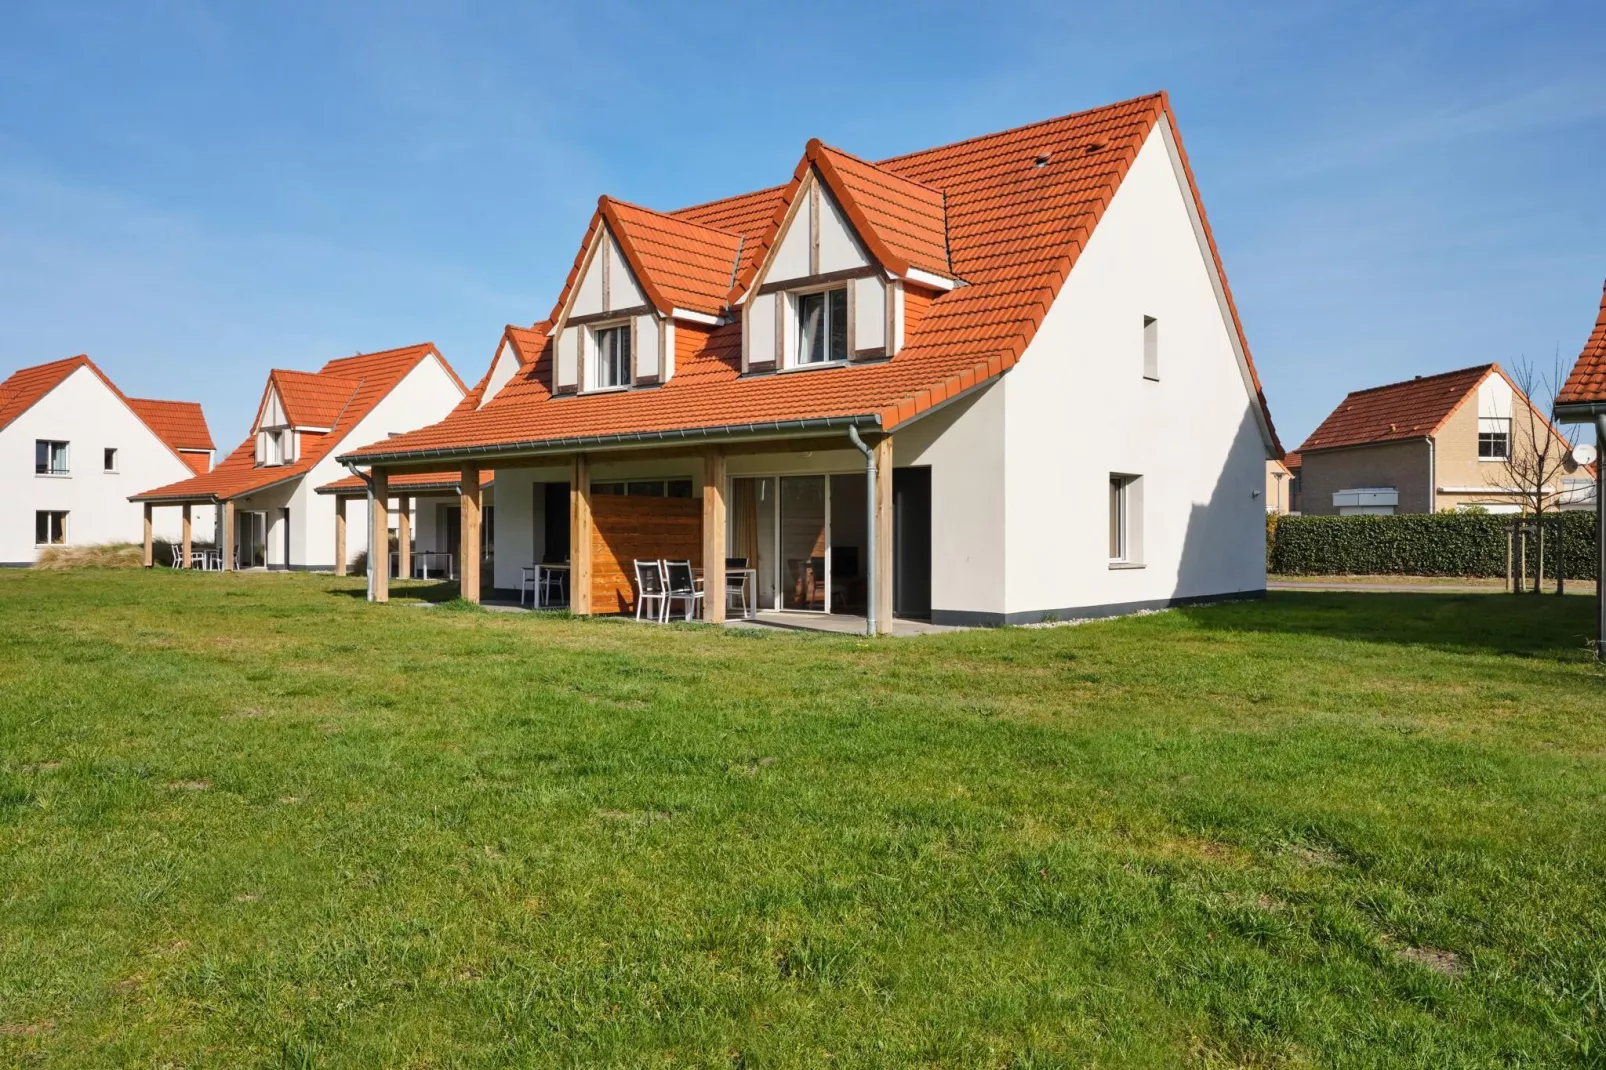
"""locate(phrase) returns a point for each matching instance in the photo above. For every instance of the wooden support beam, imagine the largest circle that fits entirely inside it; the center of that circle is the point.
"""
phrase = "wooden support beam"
(468, 542)
(580, 535)
(404, 537)
(714, 536)
(226, 550)
(340, 536)
(189, 537)
(881, 568)
(379, 536)
(150, 549)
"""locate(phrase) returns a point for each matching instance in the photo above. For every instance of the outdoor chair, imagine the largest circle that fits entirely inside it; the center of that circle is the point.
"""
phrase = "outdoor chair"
(681, 587)
(736, 592)
(650, 591)
(552, 582)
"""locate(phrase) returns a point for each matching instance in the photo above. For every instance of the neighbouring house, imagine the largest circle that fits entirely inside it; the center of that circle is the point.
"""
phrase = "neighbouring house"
(1582, 399)
(993, 382)
(1425, 445)
(1282, 484)
(264, 492)
(73, 447)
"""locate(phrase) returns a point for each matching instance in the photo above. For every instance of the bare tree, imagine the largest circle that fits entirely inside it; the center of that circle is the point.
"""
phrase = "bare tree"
(1537, 455)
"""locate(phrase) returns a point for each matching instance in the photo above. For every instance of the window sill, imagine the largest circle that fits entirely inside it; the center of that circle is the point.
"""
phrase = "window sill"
(1493, 460)
(604, 390)
(1121, 565)
(815, 366)
(52, 475)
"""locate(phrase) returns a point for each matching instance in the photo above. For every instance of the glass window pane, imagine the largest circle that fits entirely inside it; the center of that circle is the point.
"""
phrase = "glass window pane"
(646, 489)
(803, 542)
(41, 528)
(680, 488)
(838, 322)
(811, 333)
(41, 459)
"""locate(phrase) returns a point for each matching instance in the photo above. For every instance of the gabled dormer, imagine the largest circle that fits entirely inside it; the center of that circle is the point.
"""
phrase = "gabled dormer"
(833, 280)
(296, 404)
(638, 273)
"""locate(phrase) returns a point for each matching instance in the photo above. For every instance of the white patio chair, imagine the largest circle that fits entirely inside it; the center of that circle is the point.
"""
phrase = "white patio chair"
(552, 581)
(650, 591)
(682, 587)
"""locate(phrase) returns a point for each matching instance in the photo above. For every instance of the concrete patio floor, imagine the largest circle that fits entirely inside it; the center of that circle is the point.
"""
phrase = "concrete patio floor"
(837, 623)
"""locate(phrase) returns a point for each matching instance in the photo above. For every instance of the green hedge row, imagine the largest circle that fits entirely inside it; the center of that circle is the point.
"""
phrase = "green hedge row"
(1440, 544)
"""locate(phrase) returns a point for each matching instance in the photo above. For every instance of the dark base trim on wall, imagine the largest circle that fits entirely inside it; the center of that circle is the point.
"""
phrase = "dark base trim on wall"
(964, 618)
(16, 564)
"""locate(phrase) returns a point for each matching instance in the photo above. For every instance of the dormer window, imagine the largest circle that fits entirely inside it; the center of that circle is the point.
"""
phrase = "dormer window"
(612, 345)
(275, 447)
(822, 326)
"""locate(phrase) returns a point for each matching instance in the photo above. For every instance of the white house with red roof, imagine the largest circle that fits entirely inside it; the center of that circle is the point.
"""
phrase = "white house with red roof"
(73, 447)
(264, 493)
(997, 381)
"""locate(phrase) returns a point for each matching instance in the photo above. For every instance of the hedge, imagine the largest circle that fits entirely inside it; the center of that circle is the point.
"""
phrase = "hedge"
(1439, 544)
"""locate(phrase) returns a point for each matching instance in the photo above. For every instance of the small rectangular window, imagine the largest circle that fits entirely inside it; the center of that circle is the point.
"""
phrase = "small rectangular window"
(1126, 519)
(49, 458)
(49, 528)
(1494, 438)
(110, 456)
(822, 326)
(613, 356)
(1151, 348)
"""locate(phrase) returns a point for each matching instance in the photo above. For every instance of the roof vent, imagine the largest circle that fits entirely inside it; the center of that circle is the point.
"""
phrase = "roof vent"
(1042, 159)
(1095, 146)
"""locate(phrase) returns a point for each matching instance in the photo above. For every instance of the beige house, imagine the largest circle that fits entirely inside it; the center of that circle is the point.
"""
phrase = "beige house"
(1283, 484)
(1432, 443)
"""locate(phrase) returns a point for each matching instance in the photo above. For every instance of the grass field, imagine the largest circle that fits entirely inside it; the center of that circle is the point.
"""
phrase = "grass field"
(248, 820)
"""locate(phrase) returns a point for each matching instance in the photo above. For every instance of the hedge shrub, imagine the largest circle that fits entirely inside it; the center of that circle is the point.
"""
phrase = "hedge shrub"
(1440, 544)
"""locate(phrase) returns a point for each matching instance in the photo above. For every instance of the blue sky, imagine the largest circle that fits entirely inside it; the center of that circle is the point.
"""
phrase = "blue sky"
(195, 192)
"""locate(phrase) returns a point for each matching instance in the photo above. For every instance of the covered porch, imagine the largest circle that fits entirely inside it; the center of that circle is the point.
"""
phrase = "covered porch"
(799, 530)
(428, 528)
(217, 557)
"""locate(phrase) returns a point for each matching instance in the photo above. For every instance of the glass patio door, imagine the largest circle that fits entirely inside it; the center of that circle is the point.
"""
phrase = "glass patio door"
(802, 555)
(251, 540)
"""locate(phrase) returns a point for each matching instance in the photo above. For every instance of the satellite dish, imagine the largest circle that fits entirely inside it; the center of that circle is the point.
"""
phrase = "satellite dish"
(1583, 454)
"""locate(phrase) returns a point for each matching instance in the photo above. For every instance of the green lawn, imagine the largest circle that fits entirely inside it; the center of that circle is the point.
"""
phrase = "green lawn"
(252, 821)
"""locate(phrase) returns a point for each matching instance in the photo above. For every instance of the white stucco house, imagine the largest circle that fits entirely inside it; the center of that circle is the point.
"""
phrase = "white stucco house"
(73, 447)
(264, 493)
(994, 382)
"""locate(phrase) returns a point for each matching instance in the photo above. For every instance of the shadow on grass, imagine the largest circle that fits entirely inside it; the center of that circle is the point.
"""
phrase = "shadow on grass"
(404, 591)
(1561, 629)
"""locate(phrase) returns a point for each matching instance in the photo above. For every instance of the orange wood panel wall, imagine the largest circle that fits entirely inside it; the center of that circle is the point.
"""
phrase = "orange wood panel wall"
(628, 528)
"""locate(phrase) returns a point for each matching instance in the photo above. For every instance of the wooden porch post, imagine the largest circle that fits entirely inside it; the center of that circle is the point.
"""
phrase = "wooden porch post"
(189, 535)
(714, 536)
(379, 536)
(340, 534)
(580, 535)
(226, 551)
(404, 537)
(150, 550)
(881, 568)
(468, 539)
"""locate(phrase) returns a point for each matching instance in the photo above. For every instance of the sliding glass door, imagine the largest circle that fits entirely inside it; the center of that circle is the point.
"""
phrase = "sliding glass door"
(802, 554)
(805, 538)
(251, 540)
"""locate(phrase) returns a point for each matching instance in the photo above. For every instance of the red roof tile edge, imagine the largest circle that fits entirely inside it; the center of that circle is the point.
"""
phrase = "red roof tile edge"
(1586, 384)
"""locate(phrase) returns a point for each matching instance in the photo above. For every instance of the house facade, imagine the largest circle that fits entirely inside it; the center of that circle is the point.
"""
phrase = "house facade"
(73, 447)
(1433, 443)
(264, 493)
(992, 382)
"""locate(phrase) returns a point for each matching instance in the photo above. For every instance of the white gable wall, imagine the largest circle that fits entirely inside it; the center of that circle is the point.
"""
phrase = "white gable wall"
(1080, 409)
(82, 412)
(840, 249)
(502, 370)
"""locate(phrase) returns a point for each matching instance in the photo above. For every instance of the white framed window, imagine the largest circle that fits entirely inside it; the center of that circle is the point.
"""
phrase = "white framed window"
(1151, 348)
(1126, 520)
(822, 326)
(109, 459)
(276, 447)
(612, 362)
(49, 528)
(49, 458)
(1494, 438)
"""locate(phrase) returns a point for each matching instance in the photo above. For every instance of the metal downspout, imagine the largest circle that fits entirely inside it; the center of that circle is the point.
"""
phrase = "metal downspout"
(1433, 477)
(1600, 536)
(872, 609)
(369, 483)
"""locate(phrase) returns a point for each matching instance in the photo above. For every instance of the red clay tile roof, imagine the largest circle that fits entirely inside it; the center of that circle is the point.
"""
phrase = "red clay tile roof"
(1415, 408)
(1587, 383)
(408, 482)
(905, 219)
(375, 375)
(179, 424)
(1291, 461)
(680, 264)
(1015, 228)
(312, 399)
